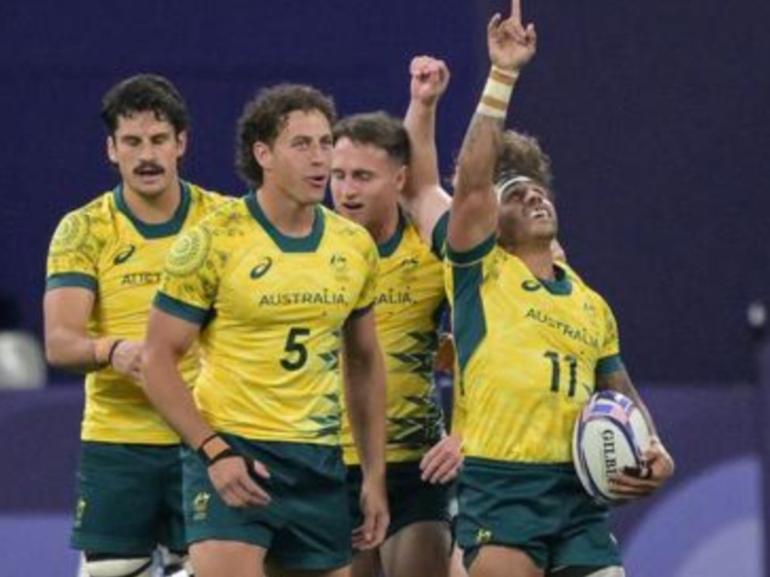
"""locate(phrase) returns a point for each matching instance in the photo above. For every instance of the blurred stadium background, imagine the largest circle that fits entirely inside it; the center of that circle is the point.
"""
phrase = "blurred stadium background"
(656, 116)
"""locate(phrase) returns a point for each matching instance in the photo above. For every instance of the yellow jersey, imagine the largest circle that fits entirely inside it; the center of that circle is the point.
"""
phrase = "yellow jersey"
(408, 305)
(271, 310)
(103, 247)
(529, 351)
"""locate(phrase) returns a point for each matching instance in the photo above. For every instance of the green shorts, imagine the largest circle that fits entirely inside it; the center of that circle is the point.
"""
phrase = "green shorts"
(410, 499)
(129, 499)
(540, 509)
(305, 526)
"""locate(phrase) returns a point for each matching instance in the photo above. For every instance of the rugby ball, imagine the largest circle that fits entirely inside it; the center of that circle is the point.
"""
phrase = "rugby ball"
(610, 434)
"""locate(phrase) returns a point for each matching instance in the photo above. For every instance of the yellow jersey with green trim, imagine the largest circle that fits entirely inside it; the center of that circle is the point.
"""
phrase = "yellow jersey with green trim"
(529, 351)
(103, 247)
(408, 305)
(271, 310)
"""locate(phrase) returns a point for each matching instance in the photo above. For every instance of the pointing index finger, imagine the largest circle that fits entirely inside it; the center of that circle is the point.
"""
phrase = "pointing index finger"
(516, 11)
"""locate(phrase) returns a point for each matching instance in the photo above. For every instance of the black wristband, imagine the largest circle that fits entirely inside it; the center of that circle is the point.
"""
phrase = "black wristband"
(211, 437)
(223, 454)
(112, 351)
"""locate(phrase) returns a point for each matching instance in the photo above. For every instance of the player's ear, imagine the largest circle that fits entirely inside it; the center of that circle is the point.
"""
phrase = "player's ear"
(112, 154)
(400, 180)
(262, 154)
(181, 143)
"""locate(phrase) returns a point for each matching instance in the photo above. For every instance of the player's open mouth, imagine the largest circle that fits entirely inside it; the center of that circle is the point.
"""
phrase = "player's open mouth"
(352, 206)
(317, 181)
(539, 213)
(149, 172)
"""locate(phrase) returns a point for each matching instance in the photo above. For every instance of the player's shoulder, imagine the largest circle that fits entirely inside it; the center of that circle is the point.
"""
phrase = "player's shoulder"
(578, 281)
(209, 199)
(225, 211)
(94, 218)
(339, 227)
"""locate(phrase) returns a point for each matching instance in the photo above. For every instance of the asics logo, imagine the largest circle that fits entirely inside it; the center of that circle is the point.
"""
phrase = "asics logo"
(124, 254)
(261, 269)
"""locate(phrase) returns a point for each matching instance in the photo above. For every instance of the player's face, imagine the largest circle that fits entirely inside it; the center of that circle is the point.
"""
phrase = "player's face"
(365, 183)
(298, 162)
(527, 213)
(146, 151)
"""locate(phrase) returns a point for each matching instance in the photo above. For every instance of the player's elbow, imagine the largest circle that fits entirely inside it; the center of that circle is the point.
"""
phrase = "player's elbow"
(52, 355)
(150, 361)
(56, 352)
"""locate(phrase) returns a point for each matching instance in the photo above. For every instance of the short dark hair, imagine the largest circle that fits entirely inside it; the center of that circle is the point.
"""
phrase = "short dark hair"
(264, 117)
(521, 154)
(145, 93)
(378, 129)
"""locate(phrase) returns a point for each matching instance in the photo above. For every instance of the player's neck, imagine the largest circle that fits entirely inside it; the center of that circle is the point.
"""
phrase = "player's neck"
(155, 209)
(539, 260)
(285, 214)
(384, 228)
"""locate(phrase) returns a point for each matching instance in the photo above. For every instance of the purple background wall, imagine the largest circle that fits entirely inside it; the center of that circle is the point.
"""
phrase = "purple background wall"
(656, 115)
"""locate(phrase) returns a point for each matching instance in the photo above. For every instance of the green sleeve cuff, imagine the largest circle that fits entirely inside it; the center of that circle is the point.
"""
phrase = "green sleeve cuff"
(438, 237)
(71, 279)
(608, 365)
(181, 309)
(475, 254)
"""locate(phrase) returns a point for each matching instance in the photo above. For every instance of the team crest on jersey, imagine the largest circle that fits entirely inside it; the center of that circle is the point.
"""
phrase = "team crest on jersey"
(71, 234)
(189, 252)
(261, 268)
(124, 254)
(339, 264)
(589, 309)
(409, 268)
(201, 506)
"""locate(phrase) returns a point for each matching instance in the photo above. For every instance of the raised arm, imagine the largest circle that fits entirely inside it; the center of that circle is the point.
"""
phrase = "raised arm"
(474, 207)
(423, 198)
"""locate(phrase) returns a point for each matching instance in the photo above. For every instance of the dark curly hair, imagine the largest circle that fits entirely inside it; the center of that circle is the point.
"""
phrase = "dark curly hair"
(145, 93)
(521, 154)
(264, 117)
(378, 129)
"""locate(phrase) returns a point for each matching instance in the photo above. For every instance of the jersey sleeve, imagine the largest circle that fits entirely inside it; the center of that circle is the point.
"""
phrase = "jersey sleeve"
(369, 290)
(438, 237)
(73, 254)
(190, 280)
(472, 256)
(609, 356)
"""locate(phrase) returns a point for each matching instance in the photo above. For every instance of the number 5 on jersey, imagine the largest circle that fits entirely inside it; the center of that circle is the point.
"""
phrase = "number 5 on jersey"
(295, 349)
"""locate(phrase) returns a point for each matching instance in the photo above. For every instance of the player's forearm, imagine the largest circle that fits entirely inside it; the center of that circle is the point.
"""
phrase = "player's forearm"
(478, 156)
(620, 381)
(420, 123)
(476, 163)
(170, 396)
(69, 350)
(365, 393)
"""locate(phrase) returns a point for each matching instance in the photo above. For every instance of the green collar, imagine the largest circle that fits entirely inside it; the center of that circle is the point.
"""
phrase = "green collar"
(388, 247)
(307, 243)
(162, 229)
(561, 285)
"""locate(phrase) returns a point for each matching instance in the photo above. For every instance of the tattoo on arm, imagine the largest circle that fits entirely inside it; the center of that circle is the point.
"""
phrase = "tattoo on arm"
(478, 155)
(620, 381)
